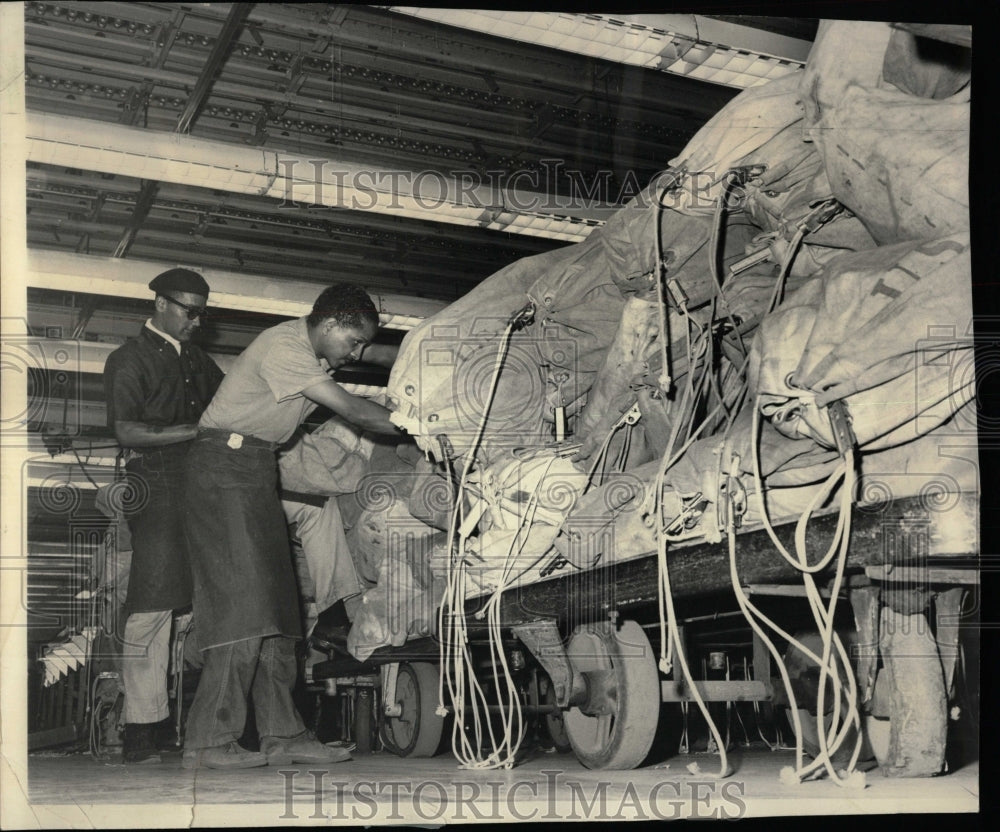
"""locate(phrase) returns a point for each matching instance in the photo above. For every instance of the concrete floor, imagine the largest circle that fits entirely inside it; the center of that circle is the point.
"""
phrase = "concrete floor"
(73, 790)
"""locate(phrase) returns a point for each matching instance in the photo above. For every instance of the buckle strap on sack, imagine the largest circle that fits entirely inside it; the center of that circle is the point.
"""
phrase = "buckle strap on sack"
(840, 423)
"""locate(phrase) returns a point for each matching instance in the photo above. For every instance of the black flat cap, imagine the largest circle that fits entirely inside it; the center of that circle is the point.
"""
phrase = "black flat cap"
(179, 280)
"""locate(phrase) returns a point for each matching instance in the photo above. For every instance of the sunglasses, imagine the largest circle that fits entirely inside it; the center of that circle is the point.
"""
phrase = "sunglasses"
(193, 312)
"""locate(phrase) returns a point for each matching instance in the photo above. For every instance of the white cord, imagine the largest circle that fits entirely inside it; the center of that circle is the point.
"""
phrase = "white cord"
(829, 740)
(458, 674)
(504, 753)
(453, 649)
(670, 639)
(799, 562)
(605, 444)
(663, 320)
(653, 505)
(667, 602)
(786, 265)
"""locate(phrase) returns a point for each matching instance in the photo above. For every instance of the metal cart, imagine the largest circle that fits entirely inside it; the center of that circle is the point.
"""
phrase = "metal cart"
(581, 638)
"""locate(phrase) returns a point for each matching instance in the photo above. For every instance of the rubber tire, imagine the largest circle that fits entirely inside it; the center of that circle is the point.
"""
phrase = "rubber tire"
(418, 683)
(622, 740)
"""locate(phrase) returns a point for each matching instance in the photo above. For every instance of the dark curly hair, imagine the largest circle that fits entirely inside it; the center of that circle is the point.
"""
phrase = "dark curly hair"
(347, 303)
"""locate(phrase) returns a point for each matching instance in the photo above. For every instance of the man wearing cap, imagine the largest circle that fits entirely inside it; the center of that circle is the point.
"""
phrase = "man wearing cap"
(157, 386)
(245, 597)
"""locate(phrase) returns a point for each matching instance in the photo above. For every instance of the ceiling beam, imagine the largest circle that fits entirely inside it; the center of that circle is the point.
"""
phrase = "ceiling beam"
(471, 125)
(144, 201)
(418, 272)
(203, 86)
(71, 272)
(427, 195)
(238, 13)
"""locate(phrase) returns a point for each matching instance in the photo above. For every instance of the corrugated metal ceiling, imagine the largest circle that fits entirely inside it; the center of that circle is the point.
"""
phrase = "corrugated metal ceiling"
(355, 83)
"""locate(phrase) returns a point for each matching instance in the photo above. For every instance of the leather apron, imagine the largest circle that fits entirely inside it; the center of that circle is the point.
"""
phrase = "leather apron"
(160, 575)
(241, 563)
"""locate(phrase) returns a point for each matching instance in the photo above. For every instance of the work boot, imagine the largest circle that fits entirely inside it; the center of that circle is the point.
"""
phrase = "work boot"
(305, 748)
(229, 756)
(165, 735)
(332, 628)
(139, 743)
(328, 636)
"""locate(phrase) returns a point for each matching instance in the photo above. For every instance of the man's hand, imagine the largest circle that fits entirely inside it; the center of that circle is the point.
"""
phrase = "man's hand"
(355, 409)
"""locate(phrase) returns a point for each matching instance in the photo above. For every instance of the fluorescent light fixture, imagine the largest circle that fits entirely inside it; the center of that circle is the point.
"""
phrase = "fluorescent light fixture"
(689, 45)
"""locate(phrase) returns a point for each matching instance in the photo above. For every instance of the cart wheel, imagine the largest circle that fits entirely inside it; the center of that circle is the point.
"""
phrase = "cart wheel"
(416, 732)
(620, 739)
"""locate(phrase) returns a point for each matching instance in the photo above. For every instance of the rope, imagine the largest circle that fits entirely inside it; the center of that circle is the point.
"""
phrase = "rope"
(829, 740)
(453, 650)
(713, 255)
(664, 381)
(667, 603)
(458, 673)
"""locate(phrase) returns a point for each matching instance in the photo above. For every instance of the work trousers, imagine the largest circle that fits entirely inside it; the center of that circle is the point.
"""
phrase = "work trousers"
(320, 531)
(145, 660)
(261, 669)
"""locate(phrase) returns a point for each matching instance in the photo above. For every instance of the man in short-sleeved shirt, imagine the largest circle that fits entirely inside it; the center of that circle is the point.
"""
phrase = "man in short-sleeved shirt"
(262, 395)
(245, 595)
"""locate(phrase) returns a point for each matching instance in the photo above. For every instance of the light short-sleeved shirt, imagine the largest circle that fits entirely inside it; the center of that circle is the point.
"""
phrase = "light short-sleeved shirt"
(262, 394)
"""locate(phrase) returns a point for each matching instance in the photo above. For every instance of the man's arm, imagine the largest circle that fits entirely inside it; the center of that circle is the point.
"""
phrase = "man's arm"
(384, 355)
(355, 409)
(141, 435)
(125, 390)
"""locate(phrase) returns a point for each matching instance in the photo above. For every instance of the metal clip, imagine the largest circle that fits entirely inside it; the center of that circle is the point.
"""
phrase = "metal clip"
(738, 498)
(689, 516)
(632, 415)
(558, 562)
(523, 317)
(677, 293)
(762, 255)
(744, 173)
(840, 423)
(722, 505)
(820, 215)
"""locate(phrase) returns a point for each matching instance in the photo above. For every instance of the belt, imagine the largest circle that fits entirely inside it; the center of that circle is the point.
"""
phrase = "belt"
(167, 452)
(318, 500)
(236, 440)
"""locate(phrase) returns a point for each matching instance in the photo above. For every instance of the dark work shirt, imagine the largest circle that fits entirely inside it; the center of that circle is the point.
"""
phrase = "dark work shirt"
(145, 380)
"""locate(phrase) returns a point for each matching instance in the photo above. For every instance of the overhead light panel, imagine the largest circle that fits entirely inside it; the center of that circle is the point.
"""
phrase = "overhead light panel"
(678, 45)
